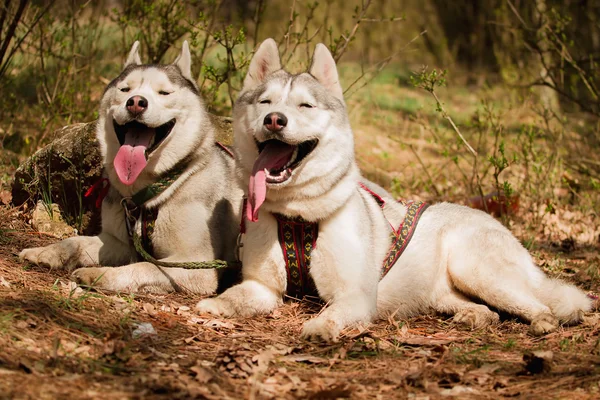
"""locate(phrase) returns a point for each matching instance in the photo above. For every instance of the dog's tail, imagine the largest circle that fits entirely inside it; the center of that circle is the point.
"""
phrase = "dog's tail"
(567, 302)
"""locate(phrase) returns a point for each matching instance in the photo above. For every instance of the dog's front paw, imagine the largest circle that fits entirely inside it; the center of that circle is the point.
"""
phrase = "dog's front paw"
(53, 256)
(543, 324)
(215, 306)
(321, 329)
(91, 277)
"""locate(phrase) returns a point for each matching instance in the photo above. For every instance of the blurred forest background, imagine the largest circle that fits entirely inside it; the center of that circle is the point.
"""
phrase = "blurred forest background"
(448, 100)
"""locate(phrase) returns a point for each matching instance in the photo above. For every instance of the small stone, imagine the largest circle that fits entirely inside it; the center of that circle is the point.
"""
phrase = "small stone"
(48, 219)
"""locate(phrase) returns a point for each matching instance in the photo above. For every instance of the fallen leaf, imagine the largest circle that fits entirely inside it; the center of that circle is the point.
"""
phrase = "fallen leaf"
(458, 390)
(149, 308)
(217, 323)
(5, 197)
(21, 325)
(203, 375)
(4, 282)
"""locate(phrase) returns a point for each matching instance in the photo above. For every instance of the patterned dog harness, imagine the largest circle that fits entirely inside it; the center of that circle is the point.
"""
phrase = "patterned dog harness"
(298, 238)
(134, 210)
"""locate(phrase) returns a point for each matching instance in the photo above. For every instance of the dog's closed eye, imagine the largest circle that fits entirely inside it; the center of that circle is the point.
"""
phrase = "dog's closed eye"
(265, 101)
(306, 105)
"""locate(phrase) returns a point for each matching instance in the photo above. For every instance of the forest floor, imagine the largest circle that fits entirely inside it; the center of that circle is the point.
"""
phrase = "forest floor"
(58, 341)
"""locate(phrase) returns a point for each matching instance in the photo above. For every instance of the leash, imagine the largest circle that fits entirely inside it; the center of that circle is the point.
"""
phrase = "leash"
(134, 210)
(143, 242)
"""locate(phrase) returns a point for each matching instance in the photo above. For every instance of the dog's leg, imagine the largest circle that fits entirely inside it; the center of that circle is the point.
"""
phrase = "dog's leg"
(80, 251)
(110, 247)
(465, 312)
(498, 287)
(347, 279)
(348, 309)
(264, 275)
(147, 277)
(346, 268)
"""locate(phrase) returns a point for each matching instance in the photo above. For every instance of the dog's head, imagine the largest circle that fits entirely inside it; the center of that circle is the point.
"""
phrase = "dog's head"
(291, 131)
(151, 117)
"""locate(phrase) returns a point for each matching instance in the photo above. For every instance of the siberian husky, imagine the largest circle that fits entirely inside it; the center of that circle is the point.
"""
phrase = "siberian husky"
(153, 126)
(295, 148)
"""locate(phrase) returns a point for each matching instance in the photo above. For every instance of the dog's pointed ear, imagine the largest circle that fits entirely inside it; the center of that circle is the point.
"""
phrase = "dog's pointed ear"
(324, 70)
(264, 63)
(134, 56)
(184, 61)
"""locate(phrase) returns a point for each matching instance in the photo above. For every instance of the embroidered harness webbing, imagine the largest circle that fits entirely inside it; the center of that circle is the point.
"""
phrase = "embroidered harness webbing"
(401, 237)
(298, 238)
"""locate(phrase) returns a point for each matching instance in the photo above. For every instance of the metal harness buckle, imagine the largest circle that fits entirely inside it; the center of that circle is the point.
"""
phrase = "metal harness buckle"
(129, 208)
(239, 248)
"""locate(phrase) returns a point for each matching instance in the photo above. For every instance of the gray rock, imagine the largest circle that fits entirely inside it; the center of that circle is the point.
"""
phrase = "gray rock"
(64, 170)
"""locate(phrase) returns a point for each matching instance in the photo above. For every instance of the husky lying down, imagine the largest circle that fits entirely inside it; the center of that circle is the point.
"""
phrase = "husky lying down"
(295, 148)
(160, 156)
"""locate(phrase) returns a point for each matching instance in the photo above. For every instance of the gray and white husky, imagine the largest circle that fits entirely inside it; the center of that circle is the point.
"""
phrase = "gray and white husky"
(152, 121)
(295, 147)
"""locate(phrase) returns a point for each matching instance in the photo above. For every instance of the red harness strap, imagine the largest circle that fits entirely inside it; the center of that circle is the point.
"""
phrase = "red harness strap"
(226, 149)
(102, 185)
(401, 237)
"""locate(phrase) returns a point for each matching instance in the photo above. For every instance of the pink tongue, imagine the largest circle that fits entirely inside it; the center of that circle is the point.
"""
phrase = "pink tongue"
(274, 156)
(131, 157)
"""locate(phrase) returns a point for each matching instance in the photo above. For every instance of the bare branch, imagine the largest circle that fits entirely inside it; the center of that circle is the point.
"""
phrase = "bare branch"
(340, 52)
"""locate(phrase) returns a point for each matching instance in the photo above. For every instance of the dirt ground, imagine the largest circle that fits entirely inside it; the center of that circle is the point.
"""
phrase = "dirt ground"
(59, 342)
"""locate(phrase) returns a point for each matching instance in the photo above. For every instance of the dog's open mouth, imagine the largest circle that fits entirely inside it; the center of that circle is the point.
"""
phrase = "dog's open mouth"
(278, 159)
(156, 135)
(275, 164)
(137, 142)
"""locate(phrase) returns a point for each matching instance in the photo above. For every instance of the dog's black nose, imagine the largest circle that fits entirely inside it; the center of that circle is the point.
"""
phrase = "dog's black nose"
(275, 121)
(136, 105)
